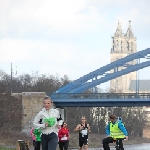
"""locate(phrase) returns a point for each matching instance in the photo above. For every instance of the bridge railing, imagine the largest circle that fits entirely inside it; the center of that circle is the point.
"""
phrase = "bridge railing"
(101, 96)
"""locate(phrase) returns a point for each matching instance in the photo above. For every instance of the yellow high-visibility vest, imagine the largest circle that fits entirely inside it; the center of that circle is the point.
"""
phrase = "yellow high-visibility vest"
(115, 132)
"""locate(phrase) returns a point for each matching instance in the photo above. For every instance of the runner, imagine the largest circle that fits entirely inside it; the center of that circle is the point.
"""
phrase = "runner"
(49, 126)
(83, 130)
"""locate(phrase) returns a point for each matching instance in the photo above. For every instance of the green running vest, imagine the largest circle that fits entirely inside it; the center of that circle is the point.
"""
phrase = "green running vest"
(115, 132)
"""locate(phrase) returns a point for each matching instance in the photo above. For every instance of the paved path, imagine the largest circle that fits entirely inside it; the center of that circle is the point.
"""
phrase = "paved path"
(144, 146)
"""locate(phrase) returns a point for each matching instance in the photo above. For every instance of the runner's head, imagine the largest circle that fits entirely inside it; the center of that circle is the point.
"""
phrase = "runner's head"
(47, 102)
(64, 125)
(83, 119)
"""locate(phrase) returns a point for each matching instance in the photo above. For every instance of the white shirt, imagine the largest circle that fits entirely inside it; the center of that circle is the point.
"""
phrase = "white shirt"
(46, 114)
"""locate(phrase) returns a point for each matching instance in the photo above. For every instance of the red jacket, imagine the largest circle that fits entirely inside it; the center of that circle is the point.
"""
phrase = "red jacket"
(63, 134)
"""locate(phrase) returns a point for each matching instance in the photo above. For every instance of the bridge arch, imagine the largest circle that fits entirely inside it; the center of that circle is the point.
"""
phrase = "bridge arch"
(82, 84)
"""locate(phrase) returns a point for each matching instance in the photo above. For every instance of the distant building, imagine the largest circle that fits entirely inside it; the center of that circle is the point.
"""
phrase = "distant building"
(143, 85)
(123, 45)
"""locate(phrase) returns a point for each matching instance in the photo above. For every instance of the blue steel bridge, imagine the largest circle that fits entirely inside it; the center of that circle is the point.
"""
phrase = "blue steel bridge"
(72, 94)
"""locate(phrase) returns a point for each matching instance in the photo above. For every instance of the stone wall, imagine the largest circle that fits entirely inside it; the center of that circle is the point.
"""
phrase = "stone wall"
(32, 103)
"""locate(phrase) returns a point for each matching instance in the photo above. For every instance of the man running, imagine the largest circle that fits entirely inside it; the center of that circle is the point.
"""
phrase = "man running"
(83, 130)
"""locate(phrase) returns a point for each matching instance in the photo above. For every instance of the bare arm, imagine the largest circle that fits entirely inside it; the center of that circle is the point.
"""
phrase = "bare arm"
(89, 129)
(78, 127)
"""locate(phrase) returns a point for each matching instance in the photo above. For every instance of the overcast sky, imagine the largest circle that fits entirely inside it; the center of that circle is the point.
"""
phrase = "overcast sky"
(67, 37)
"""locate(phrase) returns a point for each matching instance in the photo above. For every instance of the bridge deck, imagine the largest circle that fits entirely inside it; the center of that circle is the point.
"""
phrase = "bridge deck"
(101, 99)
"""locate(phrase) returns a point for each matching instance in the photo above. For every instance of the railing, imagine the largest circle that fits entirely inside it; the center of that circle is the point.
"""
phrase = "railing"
(101, 96)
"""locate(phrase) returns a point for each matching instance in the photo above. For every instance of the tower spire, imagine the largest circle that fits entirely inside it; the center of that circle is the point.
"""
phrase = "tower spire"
(118, 30)
(129, 33)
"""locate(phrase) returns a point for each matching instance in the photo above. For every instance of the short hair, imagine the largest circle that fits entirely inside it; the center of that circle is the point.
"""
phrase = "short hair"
(47, 97)
(83, 117)
(112, 116)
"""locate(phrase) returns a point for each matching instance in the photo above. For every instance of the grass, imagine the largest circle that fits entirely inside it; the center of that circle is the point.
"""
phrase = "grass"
(2, 148)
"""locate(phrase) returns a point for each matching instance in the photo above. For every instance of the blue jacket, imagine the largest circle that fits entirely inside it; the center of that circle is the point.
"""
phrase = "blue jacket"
(120, 126)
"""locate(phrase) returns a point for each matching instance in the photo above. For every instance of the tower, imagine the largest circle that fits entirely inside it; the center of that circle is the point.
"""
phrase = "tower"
(122, 45)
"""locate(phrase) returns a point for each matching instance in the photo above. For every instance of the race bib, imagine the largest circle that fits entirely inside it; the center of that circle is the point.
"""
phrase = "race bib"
(84, 132)
(64, 138)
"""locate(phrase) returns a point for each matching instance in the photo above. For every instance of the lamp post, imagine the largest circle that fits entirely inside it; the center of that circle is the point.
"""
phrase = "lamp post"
(137, 78)
(11, 80)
